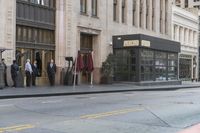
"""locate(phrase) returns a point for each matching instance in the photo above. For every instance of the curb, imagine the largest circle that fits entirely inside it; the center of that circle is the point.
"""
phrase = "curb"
(93, 92)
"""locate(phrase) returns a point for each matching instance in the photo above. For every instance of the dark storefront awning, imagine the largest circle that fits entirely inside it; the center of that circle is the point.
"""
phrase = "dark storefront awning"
(141, 40)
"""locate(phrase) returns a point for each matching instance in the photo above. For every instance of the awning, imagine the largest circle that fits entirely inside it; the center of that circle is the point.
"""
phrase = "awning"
(145, 41)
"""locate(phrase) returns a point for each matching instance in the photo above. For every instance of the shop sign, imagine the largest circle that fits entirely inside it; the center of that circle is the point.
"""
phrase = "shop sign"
(145, 43)
(131, 43)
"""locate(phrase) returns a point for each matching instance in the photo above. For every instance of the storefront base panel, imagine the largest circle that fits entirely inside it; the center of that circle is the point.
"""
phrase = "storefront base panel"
(156, 83)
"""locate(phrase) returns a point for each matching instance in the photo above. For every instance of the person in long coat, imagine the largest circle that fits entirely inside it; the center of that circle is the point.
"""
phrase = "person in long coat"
(51, 71)
(34, 73)
(14, 72)
(5, 72)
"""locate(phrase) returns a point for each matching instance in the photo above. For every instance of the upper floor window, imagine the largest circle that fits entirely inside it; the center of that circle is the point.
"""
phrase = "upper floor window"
(83, 6)
(134, 8)
(47, 3)
(123, 11)
(115, 10)
(94, 7)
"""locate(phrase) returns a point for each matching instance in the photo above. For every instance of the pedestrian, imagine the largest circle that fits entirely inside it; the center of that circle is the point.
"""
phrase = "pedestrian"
(14, 72)
(28, 71)
(5, 72)
(34, 73)
(51, 71)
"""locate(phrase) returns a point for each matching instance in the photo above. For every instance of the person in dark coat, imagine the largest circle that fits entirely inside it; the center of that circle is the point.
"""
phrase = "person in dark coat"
(51, 71)
(5, 72)
(35, 72)
(14, 72)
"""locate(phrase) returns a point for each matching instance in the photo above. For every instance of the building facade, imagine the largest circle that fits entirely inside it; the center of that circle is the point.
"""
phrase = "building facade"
(91, 24)
(188, 3)
(35, 33)
(45, 29)
(185, 30)
(145, 60)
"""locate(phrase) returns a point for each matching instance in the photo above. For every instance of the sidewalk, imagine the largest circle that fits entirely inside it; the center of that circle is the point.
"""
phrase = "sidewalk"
(8, 93)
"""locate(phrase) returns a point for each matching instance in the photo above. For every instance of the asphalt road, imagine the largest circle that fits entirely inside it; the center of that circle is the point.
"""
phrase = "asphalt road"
(131, 112)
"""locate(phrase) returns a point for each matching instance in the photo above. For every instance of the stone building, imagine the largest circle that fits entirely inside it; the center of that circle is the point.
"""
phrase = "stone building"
(188, 3)
(56, 29)
(93, 24)
(185, 30)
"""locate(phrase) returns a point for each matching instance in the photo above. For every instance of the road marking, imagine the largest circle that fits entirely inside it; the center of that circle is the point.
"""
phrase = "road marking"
(112, 113)
(16, 128)
(6, 105)
(53, 101)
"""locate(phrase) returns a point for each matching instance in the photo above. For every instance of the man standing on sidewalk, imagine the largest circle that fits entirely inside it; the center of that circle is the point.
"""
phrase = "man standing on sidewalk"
(34, 73)
(28, 71)
(5, 72)
(51, 70)
(14, 72)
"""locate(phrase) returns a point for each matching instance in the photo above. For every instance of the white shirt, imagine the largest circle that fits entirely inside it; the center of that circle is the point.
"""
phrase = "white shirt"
(28, 67)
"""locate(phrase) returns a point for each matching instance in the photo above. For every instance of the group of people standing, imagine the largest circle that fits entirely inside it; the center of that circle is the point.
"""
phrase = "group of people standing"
(31, 72)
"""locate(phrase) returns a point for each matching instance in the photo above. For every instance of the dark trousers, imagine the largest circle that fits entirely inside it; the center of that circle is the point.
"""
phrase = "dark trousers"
(28, 78)
(14, 78)
(52, 79)
(33, 80)
(5, 79)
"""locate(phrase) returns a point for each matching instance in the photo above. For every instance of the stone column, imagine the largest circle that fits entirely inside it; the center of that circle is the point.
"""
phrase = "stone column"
(182, 35)
(187, 36)
(137, 14)
(153, 15)
(162, 15)
(157, 16)
(191, 38)
(8, 29)
(149, 17)
(177, 33)
(129, 12)
(119, 10)
(143, 19)
(192, 69)
(60, 32)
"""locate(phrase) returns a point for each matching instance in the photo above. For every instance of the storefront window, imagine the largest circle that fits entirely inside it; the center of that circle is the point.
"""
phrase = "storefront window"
(125, 68)
(172, 66)
(147, 60)
(161, 65)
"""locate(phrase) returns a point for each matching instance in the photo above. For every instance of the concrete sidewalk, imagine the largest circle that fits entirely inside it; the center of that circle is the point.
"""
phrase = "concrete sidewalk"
(8, 93)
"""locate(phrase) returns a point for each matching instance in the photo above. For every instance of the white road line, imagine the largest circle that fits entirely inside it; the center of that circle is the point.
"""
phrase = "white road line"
(54, 101)
(6, 105)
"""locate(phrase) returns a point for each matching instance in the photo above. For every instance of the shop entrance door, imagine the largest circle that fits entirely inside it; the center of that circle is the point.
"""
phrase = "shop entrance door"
(86, 46)
(185, 69)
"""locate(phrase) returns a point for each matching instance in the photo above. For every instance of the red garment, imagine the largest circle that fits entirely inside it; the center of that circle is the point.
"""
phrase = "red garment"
(90, 66)
(79, 65)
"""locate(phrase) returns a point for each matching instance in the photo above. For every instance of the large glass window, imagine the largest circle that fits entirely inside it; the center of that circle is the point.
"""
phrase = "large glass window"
(29, 34)
(123, 11)
(161, 65)
(114, 10)
(19, 33)
(125, 67)
(147, 64)
(94, 7)
(83, 6)
(134, 7)
(172, 66)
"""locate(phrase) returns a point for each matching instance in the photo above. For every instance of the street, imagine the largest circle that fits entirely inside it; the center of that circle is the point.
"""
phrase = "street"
(127, 112)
